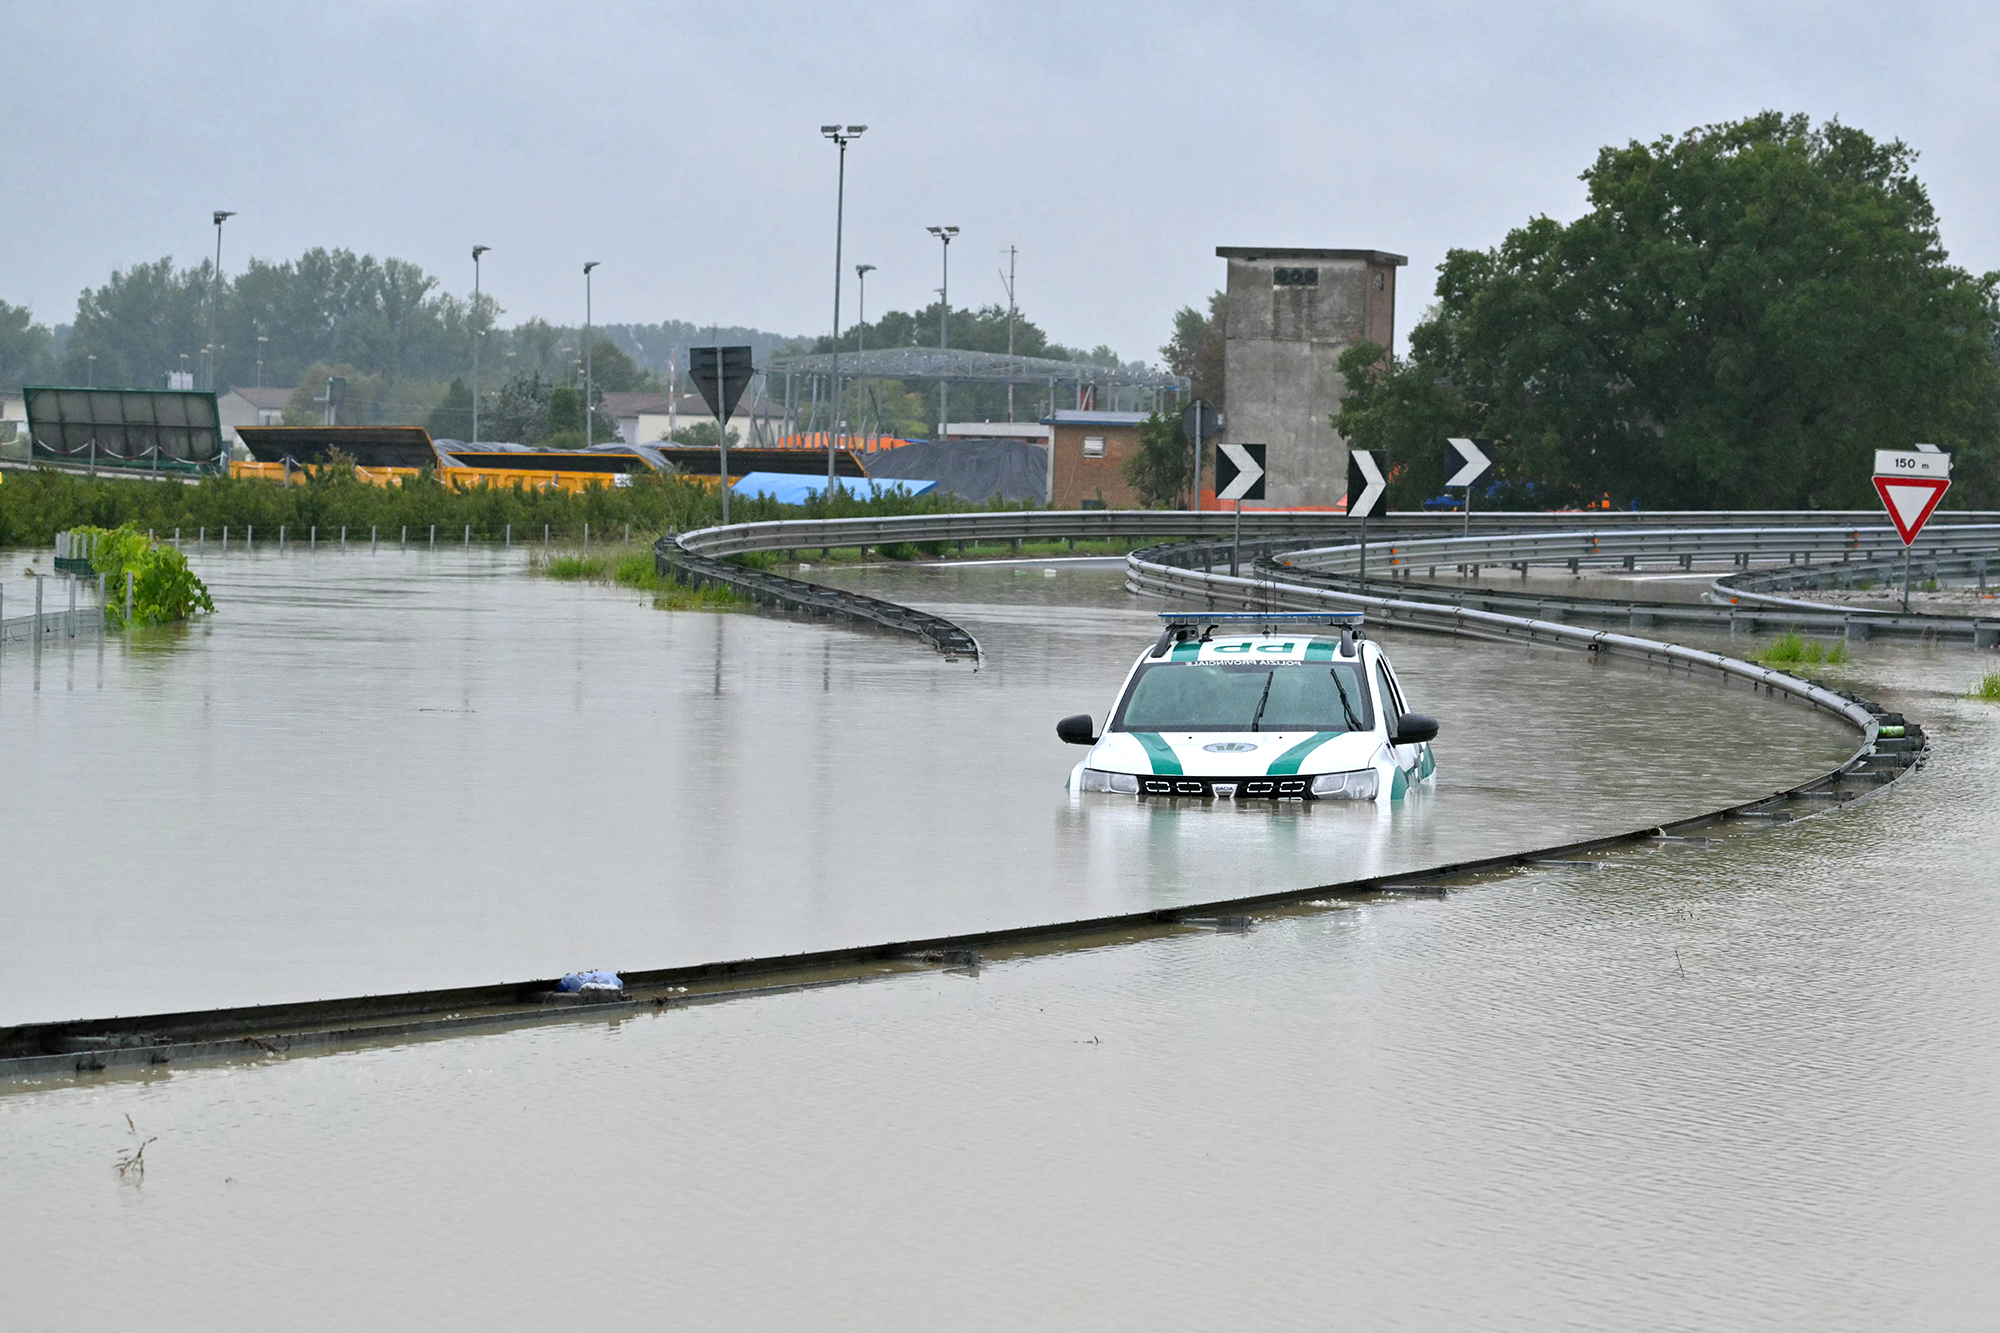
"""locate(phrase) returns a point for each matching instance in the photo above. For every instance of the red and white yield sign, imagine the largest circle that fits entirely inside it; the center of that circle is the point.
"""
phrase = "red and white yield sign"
(1911, 482)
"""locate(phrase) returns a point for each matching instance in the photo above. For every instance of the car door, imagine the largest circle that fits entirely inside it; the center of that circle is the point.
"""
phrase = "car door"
(1390, 699)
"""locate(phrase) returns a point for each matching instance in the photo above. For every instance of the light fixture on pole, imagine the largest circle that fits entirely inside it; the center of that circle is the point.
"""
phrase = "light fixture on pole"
(587, 441)
(477, 251)
(215, 299)
(841, 136)
(944, 328)
(91, 382)
(261, 340)
(861, 272)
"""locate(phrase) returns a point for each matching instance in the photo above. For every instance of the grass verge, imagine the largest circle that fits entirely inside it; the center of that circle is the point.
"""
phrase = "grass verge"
(632, 567)
(1794, 649)
(1987, 687)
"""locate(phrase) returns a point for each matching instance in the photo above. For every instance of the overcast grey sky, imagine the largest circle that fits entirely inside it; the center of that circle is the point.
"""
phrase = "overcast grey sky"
(1117, 145)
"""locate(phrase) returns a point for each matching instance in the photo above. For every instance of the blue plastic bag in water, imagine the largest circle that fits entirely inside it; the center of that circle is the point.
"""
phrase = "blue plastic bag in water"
(574, 981)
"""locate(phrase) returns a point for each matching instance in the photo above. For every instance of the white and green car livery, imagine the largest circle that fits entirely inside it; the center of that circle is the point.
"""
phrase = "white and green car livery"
(1304, 708)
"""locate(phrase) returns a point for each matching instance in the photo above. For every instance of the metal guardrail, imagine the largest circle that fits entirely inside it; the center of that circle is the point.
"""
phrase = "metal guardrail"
(1967, 547)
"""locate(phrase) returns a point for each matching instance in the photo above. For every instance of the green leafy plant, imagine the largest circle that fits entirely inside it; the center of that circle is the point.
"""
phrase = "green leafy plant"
(1793, 649)
(1987, 688)
(163, 587)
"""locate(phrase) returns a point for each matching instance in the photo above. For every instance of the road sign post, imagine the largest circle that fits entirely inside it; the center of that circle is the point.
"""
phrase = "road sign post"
(1239, 476)
(1910, 483)
(1473, 458)
(722, 374)
(1366, 483)
(1199, 424)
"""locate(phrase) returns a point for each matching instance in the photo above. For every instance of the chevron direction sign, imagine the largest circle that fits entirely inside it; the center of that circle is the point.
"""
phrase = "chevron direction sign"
(1366, 482)
(1474, 458)
(1911, 482)
(1239, 471)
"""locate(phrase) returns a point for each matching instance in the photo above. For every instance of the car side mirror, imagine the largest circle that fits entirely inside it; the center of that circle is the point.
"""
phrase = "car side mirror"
(1079, 731)
(1414, 729)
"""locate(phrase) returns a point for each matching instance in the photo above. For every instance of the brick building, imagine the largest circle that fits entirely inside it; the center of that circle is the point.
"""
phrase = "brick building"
(1086, 453)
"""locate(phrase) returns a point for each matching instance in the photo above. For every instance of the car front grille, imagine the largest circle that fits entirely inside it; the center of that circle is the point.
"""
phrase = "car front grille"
(1256, 789)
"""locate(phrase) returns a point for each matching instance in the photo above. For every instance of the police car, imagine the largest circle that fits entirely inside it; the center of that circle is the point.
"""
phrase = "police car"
(1303, 707)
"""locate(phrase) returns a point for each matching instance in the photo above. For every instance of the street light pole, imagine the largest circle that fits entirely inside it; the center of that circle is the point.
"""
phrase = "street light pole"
(841, 136)
(587, 423)
(477, 251)
(861, 272)
(944, 330)
(215, 299)
(1010, 329)
(91, 357)
(261, 340)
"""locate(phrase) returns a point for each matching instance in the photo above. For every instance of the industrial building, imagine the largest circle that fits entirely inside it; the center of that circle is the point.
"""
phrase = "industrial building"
(1291, 313)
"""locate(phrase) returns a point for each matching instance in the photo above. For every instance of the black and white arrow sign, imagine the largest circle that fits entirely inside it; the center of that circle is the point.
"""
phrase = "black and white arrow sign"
(1476, 460)
(1239, 471)
(1365, 483)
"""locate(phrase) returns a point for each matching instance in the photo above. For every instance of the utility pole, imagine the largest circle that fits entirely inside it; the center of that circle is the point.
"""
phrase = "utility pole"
(841, 137)
(215, 299)
(587, 422)
(1010, 329)
(944, 331)
(477, 251)
(261, 340)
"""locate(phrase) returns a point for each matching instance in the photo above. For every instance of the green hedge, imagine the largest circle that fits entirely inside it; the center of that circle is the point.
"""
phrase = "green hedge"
(35, 506)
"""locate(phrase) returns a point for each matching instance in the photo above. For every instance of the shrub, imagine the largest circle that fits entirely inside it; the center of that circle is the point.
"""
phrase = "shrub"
(163, 587)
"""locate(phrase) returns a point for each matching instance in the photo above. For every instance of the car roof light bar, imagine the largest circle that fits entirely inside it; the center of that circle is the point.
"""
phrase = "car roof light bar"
(1263, 617)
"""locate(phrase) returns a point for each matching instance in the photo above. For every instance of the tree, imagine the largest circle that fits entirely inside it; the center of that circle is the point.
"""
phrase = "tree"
(519, 412)
(452, 419)
(612, 371)
(1744, 313)
(1160, 471)
(26, 349)
(703, 435)
(1197, 347)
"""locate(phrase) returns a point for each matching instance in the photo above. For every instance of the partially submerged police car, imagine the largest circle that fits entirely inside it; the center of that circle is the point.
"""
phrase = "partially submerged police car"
(1266, 707)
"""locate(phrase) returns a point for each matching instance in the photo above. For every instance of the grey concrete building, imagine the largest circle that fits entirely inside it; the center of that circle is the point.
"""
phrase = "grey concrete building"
(1291, 313)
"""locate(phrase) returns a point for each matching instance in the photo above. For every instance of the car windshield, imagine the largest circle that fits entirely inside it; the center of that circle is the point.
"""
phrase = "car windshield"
(1245, 696)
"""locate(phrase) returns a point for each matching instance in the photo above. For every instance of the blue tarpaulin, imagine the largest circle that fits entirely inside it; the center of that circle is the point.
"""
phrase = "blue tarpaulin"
(793, 488)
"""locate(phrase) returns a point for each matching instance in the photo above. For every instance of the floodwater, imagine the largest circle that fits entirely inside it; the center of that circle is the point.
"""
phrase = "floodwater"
(401, 771)
(1752, 1084)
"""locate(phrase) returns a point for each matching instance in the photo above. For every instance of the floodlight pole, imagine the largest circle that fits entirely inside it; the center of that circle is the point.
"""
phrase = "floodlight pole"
(944, 331)
(215, 300)
(1010, 330)
(587, 423)
(91, 380)
(861, 272)
(477, 251)
(841, 136)
(261, 340)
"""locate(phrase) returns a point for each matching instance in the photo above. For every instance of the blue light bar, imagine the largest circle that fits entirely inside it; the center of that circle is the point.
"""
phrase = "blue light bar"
(1264, 617)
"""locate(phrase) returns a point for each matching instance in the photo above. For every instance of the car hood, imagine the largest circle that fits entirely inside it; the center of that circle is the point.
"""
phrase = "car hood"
(1233, 754)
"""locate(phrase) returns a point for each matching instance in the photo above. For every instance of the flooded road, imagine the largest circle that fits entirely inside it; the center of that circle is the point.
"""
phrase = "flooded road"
(1753, 1084)
(403, 771)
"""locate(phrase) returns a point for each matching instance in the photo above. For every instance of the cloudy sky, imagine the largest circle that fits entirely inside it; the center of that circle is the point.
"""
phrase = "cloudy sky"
(1115, 145)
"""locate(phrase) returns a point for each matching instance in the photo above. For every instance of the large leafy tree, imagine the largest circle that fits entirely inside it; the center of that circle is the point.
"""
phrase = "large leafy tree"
(1745, 312)
(25, 347)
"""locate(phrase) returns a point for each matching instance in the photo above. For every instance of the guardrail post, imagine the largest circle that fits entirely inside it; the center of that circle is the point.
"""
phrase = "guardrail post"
(510, 536)
(72, 605)
(371, 539)
(1854, 631)
(434, 536)
(468, 536)
(128, 599)
(38, 612)
(312, 538)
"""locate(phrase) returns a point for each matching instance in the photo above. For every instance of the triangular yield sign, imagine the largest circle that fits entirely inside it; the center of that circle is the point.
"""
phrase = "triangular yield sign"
(1910, 501)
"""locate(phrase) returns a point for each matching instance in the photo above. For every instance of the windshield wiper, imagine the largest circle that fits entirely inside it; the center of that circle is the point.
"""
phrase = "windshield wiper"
(1263, 699)
(1353, 722)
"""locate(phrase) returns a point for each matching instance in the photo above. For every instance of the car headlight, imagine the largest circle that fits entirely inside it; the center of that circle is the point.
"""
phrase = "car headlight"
(1095, 779)
(1360, 785)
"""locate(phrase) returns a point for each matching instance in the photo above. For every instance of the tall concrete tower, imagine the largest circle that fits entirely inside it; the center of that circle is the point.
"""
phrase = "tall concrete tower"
(1291, 314)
